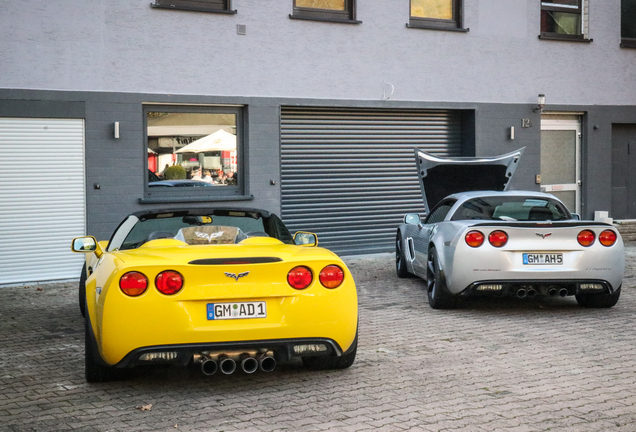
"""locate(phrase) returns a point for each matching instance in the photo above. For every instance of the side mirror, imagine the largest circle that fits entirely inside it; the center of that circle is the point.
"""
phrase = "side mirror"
(412, 219)
(86, 244)
(302, 238)
(576, 216)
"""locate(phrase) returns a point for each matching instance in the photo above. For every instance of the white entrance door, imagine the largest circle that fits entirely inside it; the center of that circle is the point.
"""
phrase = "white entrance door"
(42, 198)
(561, 159)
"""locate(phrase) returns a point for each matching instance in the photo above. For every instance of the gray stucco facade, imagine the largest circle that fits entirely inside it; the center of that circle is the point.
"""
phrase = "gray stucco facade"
(102, 61)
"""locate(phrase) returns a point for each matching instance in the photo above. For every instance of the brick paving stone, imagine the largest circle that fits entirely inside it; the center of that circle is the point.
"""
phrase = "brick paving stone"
(502, 365)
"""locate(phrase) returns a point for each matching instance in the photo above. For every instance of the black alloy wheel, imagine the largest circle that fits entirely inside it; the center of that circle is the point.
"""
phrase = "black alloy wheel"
(438, 296)
(82, 291)
(94, 370)
(400, 257)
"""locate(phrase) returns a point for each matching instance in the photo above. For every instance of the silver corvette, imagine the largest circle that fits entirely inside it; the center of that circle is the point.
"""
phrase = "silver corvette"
(477, 239)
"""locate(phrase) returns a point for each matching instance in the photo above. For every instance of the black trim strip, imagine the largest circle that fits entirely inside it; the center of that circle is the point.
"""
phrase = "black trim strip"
(187, 199)
(237, 260)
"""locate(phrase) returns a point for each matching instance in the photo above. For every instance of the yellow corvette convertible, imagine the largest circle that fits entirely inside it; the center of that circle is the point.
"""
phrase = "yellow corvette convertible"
(217, 289)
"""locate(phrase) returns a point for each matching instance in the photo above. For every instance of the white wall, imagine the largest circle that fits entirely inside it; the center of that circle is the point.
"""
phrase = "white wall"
(125, 45)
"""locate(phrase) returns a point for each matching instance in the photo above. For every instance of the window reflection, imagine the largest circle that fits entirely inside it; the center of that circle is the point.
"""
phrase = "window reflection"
(191, 149)
(436, 9)
(322, 4)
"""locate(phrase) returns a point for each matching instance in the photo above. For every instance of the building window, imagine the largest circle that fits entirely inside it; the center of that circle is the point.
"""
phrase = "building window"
(194, 153)
(326, 10)
(220, 6)
(564, 20)
(628, 23)
(436, 14)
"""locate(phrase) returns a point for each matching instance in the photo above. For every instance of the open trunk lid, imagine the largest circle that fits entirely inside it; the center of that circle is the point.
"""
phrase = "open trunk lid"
(440, 177)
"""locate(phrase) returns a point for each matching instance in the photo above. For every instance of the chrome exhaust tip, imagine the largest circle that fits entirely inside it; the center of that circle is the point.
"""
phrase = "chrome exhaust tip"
(226, 364)
(209, 366)
(563, 292)
(267, 363)
(531, 293)
(521, 293)
(553, 291)
(248, 364)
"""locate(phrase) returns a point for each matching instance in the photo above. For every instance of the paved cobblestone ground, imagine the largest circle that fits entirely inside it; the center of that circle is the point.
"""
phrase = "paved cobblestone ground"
(505, 365)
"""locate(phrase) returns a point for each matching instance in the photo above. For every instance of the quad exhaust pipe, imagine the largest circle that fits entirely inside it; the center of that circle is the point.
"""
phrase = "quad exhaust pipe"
(209, 366)
(266, 363)
(248, 364)
(554, 291)
(529, 292)
(227, 364)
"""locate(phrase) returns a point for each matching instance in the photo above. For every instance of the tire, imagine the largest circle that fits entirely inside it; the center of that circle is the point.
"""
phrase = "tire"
(400, 257)
(82, 291)
(438, 296)
(342, 362)
(94, 370)
(599, 300)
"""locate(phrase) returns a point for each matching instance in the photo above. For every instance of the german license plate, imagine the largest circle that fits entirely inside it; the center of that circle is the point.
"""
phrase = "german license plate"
(543, 258)
(241, 310)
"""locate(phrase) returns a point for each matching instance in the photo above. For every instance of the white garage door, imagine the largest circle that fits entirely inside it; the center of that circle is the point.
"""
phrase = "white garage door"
(42, 198)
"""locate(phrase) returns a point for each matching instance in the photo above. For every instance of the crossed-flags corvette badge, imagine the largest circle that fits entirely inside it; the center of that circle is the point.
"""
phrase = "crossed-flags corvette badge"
(236, 276)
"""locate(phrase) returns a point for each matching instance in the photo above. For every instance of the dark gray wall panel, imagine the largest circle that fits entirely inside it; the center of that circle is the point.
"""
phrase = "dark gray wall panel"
(116, 164)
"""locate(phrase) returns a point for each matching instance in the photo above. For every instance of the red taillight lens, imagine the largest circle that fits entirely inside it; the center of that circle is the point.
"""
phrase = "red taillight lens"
(607, 238)
(474, 238)
(133, 283)
(498, 238)
(586, 238)
(331, 276)
(169, 282)
(299, 277)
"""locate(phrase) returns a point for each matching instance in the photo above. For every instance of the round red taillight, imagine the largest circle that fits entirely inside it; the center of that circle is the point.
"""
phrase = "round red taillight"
(133, 283)
(586, 238)
(474, 238)
(498, 238)
(169, 282)
(331, 276)
(607, 238)
(299, 277)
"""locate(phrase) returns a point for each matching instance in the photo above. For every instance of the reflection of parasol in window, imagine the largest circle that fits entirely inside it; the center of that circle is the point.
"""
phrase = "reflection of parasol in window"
(218, 141)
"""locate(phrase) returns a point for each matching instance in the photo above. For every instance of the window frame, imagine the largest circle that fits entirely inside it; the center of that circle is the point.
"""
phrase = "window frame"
(627, 42)
(580, 10)
(214, 6)
(348, 16)
(454, 24)
(236, 192)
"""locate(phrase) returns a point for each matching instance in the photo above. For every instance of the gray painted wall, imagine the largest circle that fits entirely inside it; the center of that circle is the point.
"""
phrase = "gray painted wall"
(117, 164)
(127, 46)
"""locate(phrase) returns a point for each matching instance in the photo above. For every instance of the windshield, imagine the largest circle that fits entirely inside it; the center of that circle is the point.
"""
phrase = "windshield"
(135, 232)
(511, 208)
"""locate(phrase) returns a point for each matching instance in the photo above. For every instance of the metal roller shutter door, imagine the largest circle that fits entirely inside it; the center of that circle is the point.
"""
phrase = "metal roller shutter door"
(350, 176)
(42, 198)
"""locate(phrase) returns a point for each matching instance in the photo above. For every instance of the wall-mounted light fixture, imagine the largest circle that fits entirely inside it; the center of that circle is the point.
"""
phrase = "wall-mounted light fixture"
(116, 130)
(540, 103)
